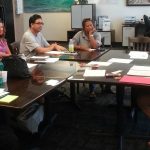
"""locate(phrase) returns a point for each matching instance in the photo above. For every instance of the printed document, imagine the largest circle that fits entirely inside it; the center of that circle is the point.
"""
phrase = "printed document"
(138, 55)
(139, 71)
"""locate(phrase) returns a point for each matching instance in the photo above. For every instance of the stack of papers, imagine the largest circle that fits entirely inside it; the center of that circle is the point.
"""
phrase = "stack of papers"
(61, 53)
(94, 73)
(139, 71)
(39, 57)
(55, 52)
(99, 63)
(48, 60)
(138, 55)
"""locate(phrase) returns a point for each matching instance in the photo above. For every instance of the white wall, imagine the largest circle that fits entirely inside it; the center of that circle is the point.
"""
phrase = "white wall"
(117, 10)
(57, 24)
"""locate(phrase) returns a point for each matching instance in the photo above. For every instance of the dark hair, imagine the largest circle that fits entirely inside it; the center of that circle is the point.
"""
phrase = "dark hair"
(4, 29)
(86, 20)
(33, 18)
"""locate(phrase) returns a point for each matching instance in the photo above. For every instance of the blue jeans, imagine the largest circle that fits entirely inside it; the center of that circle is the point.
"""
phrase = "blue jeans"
(92, 87)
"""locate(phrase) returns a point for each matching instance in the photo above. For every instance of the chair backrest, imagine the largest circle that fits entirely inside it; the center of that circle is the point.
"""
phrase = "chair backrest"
(147, 25)
(14, 47)
(103, 43)
(140, 43)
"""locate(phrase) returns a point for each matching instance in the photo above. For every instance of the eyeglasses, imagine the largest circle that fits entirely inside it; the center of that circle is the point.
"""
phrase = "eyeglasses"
(39, 23)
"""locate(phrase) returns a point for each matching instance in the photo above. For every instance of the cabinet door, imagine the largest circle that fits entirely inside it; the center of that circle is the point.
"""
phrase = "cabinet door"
(76, 16)
(107, 37)
(127, 32)
(79, 12)
(86, 11)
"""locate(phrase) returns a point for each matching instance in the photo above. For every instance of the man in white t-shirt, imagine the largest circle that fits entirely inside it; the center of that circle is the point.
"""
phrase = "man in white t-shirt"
(33, 41)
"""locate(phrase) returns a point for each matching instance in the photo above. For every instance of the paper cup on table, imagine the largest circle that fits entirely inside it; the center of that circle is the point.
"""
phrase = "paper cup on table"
(4, 76)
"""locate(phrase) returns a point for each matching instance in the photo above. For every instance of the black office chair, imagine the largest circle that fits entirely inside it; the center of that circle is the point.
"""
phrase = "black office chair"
(14, 47)
(147, 25)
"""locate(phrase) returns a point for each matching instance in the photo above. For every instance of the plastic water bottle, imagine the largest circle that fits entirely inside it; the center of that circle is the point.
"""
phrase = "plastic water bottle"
(71, 46)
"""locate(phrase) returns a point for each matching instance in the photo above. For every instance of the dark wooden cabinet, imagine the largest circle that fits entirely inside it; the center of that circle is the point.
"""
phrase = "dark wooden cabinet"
(6, 14)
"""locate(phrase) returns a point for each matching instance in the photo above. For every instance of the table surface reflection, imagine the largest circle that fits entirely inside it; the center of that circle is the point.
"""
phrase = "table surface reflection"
(33, 88)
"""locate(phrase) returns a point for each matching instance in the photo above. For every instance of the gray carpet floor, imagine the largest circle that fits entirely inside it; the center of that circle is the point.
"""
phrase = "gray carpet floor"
(93, 126)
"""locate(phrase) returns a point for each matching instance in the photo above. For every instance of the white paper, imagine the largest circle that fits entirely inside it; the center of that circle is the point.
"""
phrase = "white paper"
(52, 82)
(4, 93)
(49, 60)
(30, 65)
(135, 67)
(55, 52)
(94, 73)
(99, 63)
(68, 53)
(138, 55)
(39, 57)
(139, 71)
(2, 90)
(119, 60)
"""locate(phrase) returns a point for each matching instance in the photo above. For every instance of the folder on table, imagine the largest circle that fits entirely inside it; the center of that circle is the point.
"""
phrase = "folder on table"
(135, 79)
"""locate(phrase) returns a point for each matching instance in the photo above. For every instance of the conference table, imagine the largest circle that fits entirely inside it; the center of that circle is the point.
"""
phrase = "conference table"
(113, 80)
(31, 89)
(77, 55)
(35, 87)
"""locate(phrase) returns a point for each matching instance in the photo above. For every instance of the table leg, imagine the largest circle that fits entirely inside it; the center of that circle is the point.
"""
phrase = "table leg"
(73, 94)
(120, 121)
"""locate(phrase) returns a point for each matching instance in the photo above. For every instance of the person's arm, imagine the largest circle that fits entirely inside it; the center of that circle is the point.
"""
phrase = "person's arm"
(80, 47)
(51, 47)
(5, 53)
(59, 47)
(92, 39)
(45, 49)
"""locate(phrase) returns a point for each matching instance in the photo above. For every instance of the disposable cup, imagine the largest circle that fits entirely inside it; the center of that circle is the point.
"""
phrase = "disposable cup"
(4, 76)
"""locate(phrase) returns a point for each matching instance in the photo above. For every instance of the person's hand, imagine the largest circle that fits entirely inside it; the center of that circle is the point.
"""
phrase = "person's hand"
(60, 48)
(92, 31)
(2, 54)
(37, 76)
(53, 46)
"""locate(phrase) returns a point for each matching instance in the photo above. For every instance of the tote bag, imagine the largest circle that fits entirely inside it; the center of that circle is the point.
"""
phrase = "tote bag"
(16, 66)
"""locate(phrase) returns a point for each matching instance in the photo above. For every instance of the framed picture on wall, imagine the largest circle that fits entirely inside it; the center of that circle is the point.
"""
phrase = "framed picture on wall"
(138, 2)
(31, 6)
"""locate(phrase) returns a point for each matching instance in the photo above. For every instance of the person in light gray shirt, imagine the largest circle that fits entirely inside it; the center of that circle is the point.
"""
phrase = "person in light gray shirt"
(88, 38)
(33, 41)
